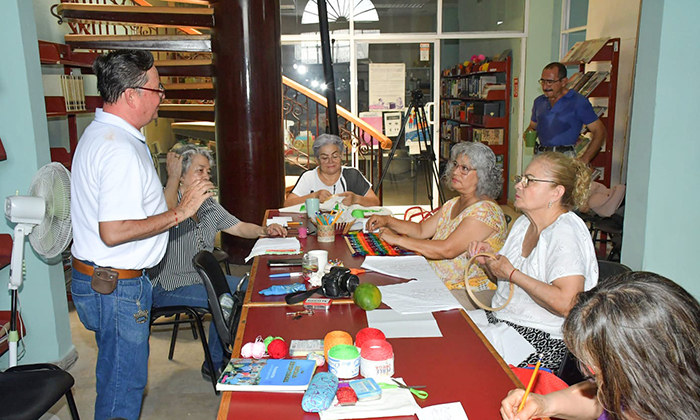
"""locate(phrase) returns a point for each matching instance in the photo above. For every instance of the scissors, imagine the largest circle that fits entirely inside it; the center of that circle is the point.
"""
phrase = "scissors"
(420, 394)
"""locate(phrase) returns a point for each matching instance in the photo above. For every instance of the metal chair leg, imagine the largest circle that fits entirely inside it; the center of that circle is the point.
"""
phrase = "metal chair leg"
(173, 338)
(71, 405)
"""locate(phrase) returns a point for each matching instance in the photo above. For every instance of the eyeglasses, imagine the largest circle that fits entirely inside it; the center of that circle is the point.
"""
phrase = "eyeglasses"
(526, 180)
(160, 91)
(548, 82)
(463, 169)
(328, 158)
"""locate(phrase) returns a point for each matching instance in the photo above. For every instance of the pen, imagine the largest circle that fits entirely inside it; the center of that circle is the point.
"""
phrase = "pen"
(529, 386)
(284, 275)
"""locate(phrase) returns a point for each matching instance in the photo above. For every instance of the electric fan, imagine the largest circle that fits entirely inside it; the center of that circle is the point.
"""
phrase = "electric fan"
(44, 216)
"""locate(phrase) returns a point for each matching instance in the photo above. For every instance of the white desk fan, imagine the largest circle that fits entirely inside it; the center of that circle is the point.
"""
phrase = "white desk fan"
(44, 216)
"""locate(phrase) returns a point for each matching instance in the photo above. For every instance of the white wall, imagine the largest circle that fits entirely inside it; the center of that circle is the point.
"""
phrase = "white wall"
(618, 19)
(661, 233)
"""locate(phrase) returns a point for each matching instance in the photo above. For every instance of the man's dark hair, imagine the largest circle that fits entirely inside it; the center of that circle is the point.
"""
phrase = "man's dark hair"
(561, 69)
(121, 70)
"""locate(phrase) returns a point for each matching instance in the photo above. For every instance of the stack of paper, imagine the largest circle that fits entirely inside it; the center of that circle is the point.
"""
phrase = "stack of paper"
(273, 246)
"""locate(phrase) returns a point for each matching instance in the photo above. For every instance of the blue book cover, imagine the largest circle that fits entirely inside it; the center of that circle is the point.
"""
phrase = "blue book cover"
(267, 375)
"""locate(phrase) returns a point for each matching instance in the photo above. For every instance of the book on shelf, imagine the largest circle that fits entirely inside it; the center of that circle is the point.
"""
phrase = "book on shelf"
(584, 51)
(596, 79)
(267, 375)
(583, 80)
(573, 80)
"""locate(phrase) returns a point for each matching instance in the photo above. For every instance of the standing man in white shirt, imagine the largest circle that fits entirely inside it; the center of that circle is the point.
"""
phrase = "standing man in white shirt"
(120, 224)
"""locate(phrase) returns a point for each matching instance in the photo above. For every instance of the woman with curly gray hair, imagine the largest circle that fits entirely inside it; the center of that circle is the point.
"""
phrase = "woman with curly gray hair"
(443, 237)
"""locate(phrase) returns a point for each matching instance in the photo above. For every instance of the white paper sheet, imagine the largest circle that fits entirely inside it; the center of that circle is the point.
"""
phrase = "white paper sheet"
(512, 347)
(449, 411)
(293, 209)
(273, 246)
(394, 402)
(396, 325)
(406, 267)
(416, 297)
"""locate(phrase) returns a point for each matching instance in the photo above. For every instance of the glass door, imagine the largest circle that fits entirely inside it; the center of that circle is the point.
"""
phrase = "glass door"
(392, 76)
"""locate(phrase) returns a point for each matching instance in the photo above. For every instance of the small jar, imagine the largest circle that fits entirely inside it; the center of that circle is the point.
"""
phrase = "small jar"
(309, 265)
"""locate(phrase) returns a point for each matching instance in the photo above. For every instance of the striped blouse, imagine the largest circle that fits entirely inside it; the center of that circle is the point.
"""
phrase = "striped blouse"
(186, 240)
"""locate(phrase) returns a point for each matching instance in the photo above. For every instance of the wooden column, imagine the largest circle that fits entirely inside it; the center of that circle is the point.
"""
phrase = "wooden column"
(248, 84)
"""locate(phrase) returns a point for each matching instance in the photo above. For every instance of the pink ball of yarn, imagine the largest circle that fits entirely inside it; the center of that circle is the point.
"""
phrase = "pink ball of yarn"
(367, 334)
(377, 350)
(278, 349)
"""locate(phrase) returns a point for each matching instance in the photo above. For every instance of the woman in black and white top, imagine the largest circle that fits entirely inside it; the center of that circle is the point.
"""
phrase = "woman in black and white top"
(175, 280)
(331, 178)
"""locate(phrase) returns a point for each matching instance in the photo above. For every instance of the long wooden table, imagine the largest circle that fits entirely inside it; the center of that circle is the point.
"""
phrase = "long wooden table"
(460, 366)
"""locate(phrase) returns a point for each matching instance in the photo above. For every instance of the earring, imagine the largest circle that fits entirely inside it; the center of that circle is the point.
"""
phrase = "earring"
(550, 205)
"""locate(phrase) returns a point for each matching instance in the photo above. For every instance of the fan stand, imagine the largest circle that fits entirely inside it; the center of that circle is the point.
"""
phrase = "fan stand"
(471, 293)
(16, 274)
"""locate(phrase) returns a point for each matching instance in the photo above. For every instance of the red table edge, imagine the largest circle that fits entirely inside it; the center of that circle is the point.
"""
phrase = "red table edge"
(238, 343)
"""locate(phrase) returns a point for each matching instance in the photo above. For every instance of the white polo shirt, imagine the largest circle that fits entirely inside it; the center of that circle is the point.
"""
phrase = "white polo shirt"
(113, 178)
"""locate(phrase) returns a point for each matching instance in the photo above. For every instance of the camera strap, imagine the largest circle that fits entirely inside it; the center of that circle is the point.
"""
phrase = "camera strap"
(297, 297)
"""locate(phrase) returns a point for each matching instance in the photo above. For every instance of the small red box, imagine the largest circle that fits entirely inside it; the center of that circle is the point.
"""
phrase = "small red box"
(317, 304)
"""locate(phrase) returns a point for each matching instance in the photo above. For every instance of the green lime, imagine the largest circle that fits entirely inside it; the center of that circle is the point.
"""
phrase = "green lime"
(367, 296)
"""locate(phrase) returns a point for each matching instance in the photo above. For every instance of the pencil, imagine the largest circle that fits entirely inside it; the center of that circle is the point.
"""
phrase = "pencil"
(529, 386)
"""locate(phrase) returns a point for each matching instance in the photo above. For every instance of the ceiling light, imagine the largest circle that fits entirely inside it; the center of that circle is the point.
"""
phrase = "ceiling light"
(314, 83)
(301, 69)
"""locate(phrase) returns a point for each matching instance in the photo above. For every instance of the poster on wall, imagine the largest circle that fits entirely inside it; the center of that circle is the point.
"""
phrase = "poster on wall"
(387, 86)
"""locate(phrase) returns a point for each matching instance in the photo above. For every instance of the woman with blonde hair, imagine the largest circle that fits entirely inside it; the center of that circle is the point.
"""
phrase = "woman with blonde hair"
(636, 336)
(548, 256)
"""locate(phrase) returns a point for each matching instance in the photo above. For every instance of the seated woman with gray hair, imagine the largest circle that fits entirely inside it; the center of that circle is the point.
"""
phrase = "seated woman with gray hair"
(175, 280)
(331, 178)
(474, 215)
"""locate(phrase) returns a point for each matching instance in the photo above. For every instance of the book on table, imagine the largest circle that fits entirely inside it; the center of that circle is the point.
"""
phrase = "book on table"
(267, 375)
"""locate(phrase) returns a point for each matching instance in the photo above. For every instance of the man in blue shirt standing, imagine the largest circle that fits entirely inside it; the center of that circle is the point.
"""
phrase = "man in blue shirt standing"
(559, 115)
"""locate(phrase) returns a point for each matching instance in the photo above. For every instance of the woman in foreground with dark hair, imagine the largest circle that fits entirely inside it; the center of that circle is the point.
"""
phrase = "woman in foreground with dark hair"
(636, 335)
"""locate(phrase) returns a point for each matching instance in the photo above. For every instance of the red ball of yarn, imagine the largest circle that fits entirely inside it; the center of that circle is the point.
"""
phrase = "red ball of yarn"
(278, 349)
(346, 396)
(367, 334)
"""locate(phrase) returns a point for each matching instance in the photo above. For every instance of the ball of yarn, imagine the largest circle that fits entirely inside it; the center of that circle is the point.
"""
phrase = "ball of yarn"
(377, 350)
(334, 338)
(269, 339)
(320, 361)
(367, 334)
(278, 349)
(346, 396)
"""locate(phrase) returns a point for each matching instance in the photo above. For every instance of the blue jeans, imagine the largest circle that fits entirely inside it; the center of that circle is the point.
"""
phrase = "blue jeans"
(120, 321)
(196, 296)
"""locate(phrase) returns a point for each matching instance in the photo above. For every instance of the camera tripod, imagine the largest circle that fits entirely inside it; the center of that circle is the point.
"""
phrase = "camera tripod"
(425, 144)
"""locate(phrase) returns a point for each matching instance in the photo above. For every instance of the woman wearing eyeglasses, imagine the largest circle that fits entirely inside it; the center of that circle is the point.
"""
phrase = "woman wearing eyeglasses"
(331, 178)
(548, 256)
(443, 238)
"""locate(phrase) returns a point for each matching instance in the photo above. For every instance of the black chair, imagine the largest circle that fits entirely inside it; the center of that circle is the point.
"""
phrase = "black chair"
(216, 285)
(28, 391)
(569, 371)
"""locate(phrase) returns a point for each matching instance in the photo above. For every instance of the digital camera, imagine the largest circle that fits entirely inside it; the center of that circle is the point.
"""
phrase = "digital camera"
(339, 283)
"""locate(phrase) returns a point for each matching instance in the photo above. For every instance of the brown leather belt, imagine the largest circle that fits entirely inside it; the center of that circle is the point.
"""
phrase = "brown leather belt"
(89, 270)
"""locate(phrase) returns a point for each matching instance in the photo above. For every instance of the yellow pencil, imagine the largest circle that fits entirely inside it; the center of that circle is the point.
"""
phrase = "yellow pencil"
(529, 386)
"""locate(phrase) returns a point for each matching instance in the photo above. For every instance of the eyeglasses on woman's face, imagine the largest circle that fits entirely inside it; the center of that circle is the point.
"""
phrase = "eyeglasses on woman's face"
(461, 169)
(525, 180)
(328, 158)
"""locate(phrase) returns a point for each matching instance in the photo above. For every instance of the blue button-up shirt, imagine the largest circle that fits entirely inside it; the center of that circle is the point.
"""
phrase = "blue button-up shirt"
(561, 124)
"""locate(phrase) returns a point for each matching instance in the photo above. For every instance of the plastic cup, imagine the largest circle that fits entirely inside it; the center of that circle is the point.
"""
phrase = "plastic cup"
(530, 138)
(312, 207)
(309, 265)
(302, 232)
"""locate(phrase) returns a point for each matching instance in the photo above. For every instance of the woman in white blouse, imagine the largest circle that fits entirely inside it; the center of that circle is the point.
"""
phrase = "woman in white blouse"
(548, 256)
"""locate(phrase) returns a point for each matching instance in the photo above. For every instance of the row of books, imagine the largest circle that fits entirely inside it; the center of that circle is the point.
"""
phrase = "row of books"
(462, 110)
(456, 132)
(470, 87)
(586, 83)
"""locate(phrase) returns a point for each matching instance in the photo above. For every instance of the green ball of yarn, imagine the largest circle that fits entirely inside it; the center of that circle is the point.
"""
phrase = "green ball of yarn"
(269, 339)
(344, 352)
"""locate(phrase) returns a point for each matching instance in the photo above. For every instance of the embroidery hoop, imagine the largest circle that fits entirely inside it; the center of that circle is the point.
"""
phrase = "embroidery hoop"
(471, 293)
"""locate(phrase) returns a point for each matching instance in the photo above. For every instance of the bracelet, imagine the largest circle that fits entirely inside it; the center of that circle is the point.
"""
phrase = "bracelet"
(510, 278)
(176, 222)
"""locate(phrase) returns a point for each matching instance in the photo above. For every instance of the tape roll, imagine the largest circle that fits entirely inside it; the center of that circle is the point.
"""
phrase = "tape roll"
(376, 359)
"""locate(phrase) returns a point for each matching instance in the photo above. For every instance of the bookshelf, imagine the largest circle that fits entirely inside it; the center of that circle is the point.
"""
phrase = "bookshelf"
(475, 106)
(601, 85)
(69, 100)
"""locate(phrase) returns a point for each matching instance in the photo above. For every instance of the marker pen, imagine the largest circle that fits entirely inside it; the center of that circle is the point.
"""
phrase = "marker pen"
(284, 275)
